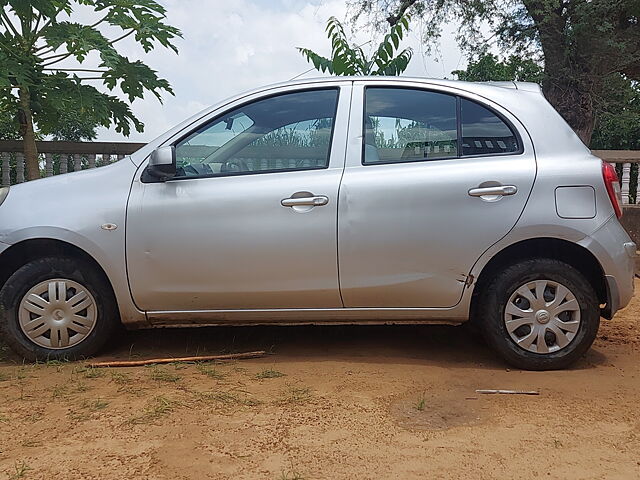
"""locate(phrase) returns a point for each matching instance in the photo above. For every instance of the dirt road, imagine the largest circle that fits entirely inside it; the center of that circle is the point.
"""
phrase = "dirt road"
(331, 402)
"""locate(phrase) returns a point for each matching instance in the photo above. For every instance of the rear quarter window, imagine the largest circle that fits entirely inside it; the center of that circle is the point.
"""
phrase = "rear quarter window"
(484, 132)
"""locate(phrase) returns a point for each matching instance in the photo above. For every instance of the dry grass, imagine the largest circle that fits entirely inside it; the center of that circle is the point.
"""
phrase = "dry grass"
(291, 476)
(209, 371)
(296, 395)
(159, 407)
(90, 372)
(269, 373)
(161, 375)
(120, 378)
(20, 470)
(227, 398)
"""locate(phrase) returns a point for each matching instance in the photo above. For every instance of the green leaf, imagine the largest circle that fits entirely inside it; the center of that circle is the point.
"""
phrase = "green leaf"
(320, 63)
(61, 104)
(348, 60)
(133, 78)
(77, 39)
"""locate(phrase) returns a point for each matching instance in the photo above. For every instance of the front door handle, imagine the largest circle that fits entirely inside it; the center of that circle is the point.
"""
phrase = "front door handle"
(502, 190)
(315, 201)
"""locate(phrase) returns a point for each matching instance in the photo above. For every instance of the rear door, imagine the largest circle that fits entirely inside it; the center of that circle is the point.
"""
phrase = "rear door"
(433, 178)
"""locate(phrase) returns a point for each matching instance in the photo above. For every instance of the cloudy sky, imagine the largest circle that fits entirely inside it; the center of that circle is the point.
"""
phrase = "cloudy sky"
(232, 46)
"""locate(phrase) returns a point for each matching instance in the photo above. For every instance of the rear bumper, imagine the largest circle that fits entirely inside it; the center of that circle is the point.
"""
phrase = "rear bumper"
(615, 251)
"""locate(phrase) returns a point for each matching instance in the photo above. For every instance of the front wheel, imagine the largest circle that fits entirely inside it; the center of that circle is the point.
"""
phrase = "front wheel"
(57, 308)
(539, 314)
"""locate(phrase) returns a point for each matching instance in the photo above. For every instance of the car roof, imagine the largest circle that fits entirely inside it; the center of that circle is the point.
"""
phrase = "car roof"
(460, 84)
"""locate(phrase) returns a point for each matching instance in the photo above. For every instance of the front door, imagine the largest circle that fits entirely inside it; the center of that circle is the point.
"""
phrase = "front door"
(433, 178)
(249, 221)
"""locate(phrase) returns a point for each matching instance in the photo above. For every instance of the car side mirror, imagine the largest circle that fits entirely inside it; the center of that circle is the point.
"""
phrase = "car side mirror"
(162, 164)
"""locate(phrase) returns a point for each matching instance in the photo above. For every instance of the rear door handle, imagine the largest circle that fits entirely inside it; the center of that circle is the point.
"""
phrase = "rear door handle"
(316, 201)
(498, 190)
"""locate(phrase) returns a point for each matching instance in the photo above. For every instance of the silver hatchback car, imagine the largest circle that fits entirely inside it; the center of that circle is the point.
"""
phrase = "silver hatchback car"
(341, 200)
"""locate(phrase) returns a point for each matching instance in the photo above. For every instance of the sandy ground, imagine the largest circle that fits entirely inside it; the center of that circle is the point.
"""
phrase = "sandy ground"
(330, 402)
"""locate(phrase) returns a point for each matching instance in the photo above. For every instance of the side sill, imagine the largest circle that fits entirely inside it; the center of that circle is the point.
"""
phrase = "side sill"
(369, 316)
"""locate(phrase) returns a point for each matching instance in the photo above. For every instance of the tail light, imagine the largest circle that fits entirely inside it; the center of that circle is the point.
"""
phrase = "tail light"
(613, 187)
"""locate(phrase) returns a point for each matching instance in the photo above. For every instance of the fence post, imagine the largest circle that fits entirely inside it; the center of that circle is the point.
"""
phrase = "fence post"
(19, 167)
(626, 178)
(6, 170)
(48, 165)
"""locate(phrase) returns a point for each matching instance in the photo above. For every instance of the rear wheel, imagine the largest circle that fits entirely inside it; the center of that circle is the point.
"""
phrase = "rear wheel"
(57, 308)
(539, 314)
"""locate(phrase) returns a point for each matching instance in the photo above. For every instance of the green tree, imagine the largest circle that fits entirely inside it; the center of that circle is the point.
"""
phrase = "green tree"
(489, 68)
(9, 127)
(74, 126)
(351, 60)
(35, 87)
(580, 43)
(618, 116)
(617, 109)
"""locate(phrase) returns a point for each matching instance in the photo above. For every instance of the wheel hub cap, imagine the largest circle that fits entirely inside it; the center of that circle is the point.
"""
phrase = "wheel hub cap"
(57, 313)
(542, 316)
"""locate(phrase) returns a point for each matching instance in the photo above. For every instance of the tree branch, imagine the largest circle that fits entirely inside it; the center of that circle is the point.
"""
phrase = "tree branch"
(404, 6)
(61, 55)
(35, 28)
(57, 55)
(34, 37)
(100, 21)
(75, 70)
(9, 25)
(47, 49)
(49, 22)
(122, 37)
(632, 71)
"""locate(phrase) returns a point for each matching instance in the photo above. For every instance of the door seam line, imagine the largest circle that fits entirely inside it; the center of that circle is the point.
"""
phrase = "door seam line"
(344, 167)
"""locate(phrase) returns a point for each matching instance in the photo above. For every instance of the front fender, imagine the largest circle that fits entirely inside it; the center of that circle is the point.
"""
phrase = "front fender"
(73, 208)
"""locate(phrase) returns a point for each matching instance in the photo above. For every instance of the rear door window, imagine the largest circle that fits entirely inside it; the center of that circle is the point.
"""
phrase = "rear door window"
(409, 125)
(405, 125)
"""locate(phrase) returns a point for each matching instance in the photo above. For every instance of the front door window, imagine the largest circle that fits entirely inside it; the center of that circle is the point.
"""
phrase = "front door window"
(282, 133)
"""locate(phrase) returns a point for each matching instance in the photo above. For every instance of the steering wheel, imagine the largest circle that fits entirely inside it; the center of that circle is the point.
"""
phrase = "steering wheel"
(194, 170)
(234, 165)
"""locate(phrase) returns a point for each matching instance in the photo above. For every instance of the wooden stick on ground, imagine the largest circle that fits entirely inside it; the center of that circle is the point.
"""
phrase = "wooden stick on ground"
(156, 361)
(510, 392)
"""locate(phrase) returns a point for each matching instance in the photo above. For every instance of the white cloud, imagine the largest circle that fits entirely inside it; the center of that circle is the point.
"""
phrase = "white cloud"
(229, 47)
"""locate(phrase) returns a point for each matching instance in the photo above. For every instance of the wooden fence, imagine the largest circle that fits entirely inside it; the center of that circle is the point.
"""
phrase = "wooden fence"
(63, 157)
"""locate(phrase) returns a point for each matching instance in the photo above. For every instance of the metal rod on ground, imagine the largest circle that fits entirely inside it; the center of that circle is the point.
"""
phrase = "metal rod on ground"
(510, 392)
(156, 361)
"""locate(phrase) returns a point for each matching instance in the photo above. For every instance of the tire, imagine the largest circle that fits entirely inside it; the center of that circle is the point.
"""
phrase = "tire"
(76, 324)
(510, 321)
